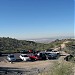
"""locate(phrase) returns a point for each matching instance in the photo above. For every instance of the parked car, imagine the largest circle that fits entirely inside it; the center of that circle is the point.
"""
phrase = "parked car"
(11, 57)
(52, 56)
(57, 52)
(54, 51)
(33, 57)
(32, 51)
(41, 55)
(47, 53)
(23, 51)
(24, 57)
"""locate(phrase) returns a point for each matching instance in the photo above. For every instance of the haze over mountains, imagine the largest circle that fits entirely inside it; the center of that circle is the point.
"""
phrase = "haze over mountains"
(48, 40)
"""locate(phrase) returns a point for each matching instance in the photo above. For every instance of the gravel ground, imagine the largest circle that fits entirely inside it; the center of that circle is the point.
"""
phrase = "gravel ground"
(23, 71)
(24, 68)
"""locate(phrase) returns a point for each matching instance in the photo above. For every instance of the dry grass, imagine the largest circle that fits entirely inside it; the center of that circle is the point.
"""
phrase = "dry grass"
(63, 68)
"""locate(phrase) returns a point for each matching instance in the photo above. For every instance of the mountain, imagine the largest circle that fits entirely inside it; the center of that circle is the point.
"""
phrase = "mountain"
(43, 40)
(49, 40)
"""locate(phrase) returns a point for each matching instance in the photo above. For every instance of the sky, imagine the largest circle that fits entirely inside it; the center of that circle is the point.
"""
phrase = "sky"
(26, 19)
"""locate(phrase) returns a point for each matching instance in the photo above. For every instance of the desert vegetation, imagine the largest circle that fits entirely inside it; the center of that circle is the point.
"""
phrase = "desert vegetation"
(10, 45)
(70, 48)
(63, 68)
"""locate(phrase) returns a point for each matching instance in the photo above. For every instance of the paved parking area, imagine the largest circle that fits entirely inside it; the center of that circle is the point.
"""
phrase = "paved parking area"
(21, 64)
(4, 56)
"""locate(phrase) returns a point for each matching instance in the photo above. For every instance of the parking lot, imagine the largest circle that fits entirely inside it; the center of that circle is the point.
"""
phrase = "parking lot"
(19, 63)
(29, 67)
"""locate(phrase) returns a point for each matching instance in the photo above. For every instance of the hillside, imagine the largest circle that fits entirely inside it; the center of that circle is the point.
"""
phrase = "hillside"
(13, 45)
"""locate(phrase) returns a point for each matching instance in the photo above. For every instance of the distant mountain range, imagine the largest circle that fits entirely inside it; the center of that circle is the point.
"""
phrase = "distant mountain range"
(48, 40)
(43, 40)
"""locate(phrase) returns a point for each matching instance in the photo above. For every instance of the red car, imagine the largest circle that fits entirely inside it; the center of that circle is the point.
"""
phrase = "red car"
(33, 57)
(30, 51)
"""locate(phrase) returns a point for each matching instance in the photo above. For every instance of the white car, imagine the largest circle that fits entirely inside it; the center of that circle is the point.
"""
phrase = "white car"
(24, 57)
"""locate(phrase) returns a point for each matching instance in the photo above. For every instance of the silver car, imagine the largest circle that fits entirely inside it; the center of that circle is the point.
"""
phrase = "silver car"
(11, 57)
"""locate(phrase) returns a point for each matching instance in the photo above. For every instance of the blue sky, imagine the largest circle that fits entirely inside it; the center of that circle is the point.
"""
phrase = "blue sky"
(26, 19)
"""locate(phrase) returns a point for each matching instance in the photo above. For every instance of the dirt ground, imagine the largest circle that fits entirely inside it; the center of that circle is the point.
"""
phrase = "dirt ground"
(28, 68)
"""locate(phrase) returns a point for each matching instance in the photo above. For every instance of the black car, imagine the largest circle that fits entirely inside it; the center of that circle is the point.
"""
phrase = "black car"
(42, 56)
(24, 51)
